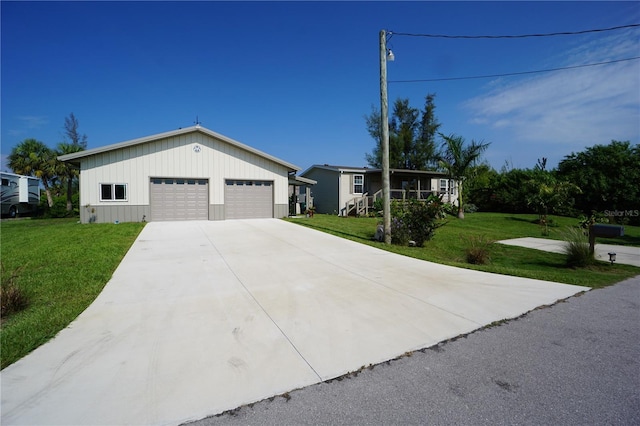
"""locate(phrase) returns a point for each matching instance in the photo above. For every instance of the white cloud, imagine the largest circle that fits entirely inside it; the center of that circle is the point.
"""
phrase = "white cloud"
(573, 108)
(33, 121)
(501, 123)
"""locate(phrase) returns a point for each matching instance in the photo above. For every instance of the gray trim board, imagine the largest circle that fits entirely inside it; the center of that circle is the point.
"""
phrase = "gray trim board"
(113, 213)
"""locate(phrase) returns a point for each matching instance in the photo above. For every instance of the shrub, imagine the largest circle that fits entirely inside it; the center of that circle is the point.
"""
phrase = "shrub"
(595, 217)
(59, 208)
(478, 249)
(399, 231)
(450, 209)
(576, 248)
(415, 220)
(378, 206)
(12, 299)
(469, 208)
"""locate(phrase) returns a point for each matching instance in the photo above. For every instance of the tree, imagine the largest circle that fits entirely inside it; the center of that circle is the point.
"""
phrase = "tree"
(458, 160)
(609, 177)
(374, 128)
(33, 158)
(425, 152)
(67, 172)
(508, 191)
(480, 190)
(71, 130)
(402, 133)
(547, 194)
(411, 136)
(401, 130)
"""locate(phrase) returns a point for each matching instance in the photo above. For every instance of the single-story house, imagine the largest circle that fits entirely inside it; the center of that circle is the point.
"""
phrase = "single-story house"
(300, 199)
(344, 190)
(186, 174)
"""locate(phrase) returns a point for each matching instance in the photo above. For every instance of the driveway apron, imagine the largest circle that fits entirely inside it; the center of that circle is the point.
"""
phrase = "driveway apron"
(202, 317)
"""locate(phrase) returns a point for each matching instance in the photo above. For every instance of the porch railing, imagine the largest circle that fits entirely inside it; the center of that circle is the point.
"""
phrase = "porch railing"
(357, 206)
(401, 194)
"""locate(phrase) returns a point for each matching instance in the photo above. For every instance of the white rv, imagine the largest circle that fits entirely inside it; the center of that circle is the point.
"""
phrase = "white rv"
(20, 194)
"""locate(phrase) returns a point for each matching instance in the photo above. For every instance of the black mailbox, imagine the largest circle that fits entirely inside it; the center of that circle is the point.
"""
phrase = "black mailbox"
(607, 231)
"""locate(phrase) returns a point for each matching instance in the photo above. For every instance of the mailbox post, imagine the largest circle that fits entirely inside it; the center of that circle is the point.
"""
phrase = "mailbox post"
(604, 231)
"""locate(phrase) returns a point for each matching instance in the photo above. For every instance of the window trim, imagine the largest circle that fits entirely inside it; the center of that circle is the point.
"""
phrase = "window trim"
(113, 193)
(443, 189)
(449, 188)
(358, 184)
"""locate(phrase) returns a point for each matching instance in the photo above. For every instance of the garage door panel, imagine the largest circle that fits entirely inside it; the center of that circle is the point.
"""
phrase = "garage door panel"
(248, 199)
(179, 199)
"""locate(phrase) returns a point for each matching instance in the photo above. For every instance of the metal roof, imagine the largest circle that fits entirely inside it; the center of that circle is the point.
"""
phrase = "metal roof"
(368, 170)
(82, 154)
(299, 180)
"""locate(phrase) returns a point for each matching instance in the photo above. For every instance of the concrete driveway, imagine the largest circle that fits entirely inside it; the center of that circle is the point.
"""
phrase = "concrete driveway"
(202, 317)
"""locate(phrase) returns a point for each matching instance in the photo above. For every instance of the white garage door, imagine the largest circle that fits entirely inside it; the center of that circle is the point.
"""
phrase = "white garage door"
(248, 199)
(179, 199)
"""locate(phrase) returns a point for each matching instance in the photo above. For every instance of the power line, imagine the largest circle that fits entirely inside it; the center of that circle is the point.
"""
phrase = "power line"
(515, 73)
(516, 36)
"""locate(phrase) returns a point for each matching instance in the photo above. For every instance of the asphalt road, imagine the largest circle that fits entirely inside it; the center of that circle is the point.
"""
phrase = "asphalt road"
(574, 363)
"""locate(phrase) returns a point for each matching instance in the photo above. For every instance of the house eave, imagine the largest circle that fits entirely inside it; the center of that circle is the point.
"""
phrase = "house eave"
(299, 181)
(366, 170)
(75, 157)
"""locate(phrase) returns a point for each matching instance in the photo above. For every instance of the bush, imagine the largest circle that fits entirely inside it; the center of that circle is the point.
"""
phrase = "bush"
(478, 250)
(595, 217)
(415, 220)
(399, 232)
(450, 209)
(576, 248)
(469, 208)
(378, 206)
(59, 208)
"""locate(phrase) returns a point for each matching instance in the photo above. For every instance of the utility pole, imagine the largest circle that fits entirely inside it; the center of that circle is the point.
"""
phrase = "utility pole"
(384, 112)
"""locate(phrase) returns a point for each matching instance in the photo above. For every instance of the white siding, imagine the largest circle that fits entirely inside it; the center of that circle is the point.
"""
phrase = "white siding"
(346, 190)
(175, 157)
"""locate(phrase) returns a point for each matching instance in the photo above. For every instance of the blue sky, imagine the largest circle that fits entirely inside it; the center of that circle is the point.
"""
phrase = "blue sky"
(294, 79)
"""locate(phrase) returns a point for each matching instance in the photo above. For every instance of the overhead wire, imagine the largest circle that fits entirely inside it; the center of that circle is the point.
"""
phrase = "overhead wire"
(391, 33)
(514, 73)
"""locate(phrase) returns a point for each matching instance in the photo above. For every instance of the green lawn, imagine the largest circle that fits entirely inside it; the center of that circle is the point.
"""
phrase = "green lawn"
(61, 266)
(451, 241)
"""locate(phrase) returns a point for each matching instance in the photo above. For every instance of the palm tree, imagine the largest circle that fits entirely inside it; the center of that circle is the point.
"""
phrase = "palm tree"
(33, 158)
(548, 194)
(67, 172)
(458, 159)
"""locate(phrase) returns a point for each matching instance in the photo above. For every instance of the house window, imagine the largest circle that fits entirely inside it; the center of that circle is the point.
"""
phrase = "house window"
(447, 187)
(113, 192)
(444, 186)
(358, 184)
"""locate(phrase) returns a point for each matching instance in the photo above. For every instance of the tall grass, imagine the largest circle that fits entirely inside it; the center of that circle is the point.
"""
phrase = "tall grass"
(576, 248)
(12, 298)
(478, 250)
